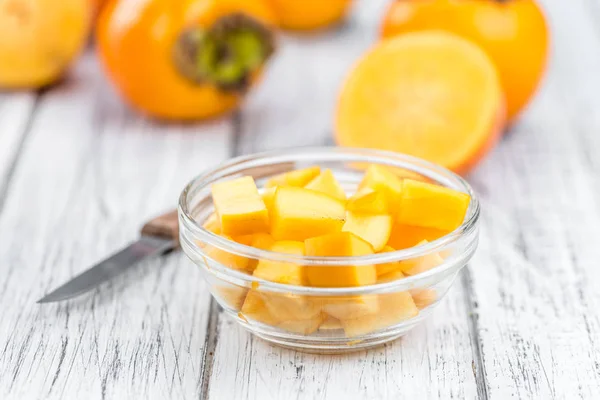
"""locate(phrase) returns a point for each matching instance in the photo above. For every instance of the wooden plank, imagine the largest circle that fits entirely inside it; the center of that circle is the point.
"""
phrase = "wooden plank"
(535, 278)
(90, 173)
(294, 107)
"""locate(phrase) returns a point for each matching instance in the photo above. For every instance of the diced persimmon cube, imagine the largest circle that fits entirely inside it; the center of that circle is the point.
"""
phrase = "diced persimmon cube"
(330, 324)
(268, 195)
(244, 239)
(405, 236)
(290, 307)
(368, 201)
(233, 296)
(303, 327)
(375, 229)
(283, 272)
(294, 313)
(421, 264)
(393, 309)
(432, 206)
(347, 307)
(381, 179)
(326, 183)
(386, 268)
(226, 258)
(260, 240)
(212, 224)
(254, 308)
(239, 206)
(391, 276)
(339, 244)
(424, 297)
(297, 178)
(300, 213)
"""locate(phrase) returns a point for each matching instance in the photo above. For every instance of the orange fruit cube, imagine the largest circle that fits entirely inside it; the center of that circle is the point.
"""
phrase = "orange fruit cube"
(368, 201)
(375, 229)
(297, 178)
(300, 213)
(432, 206)
(212, 224)
(381, 179)
(420, 264)
(405, 236)
(393, 308)
(268, 195)
(326, 183)
(386, 268)
(283, 272)
(240, 208)
(339, 244)
(254, 308)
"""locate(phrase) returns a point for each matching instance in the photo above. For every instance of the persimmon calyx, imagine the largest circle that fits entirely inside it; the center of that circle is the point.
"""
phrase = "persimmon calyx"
(226, 54)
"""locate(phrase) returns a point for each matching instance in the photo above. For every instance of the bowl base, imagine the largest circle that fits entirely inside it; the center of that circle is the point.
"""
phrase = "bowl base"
(324, 347)
(329, 341)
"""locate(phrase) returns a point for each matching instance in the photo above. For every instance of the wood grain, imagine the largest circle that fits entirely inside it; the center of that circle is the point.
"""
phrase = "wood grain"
(535, 277)
(90, 172)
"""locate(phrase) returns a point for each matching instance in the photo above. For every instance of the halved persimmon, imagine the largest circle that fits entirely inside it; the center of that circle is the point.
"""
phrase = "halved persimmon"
(429, 94)
(507, 30)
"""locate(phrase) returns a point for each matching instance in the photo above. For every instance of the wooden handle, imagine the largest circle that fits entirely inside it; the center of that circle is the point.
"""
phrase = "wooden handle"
(166, 226)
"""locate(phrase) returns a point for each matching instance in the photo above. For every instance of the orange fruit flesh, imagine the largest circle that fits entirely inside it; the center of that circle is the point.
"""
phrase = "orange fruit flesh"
(297, 214)
(433, 95)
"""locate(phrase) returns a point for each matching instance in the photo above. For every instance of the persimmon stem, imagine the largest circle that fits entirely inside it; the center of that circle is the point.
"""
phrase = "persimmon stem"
(226, 54)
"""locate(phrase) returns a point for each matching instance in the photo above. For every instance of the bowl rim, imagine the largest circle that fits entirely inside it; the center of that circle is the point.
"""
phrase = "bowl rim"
(344, 154)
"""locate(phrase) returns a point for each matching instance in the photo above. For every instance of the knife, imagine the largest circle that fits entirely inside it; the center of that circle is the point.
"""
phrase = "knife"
(159, 236)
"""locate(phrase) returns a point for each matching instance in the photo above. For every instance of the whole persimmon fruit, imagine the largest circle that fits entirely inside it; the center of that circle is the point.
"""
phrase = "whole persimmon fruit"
(429, 94)
(512, 32)
(186, 59)
(303, 15)
(39, 39)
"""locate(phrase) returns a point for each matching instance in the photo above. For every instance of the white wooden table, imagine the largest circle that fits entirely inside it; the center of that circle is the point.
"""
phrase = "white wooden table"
(79, 173)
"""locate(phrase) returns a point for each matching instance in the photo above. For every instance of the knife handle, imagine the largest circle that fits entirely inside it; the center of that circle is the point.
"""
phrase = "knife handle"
(166, 226)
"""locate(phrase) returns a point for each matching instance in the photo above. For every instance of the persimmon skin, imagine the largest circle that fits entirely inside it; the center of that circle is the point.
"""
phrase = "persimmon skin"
(39, 40)
(135, 40)
(306, 15)
(513, 33)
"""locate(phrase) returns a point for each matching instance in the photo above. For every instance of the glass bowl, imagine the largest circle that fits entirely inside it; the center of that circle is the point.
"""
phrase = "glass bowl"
(326, 320)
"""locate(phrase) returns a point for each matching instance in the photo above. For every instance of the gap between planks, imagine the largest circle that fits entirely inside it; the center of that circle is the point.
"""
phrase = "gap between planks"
(12, 164)
(215, 311)
(478, 365)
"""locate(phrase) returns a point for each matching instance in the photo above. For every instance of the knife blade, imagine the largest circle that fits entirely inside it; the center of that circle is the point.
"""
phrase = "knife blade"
(159, 236)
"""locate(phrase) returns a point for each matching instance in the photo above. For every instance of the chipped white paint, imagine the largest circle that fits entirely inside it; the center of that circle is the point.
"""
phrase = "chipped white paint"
(535, 280)
(89, 173)
(80, 172)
